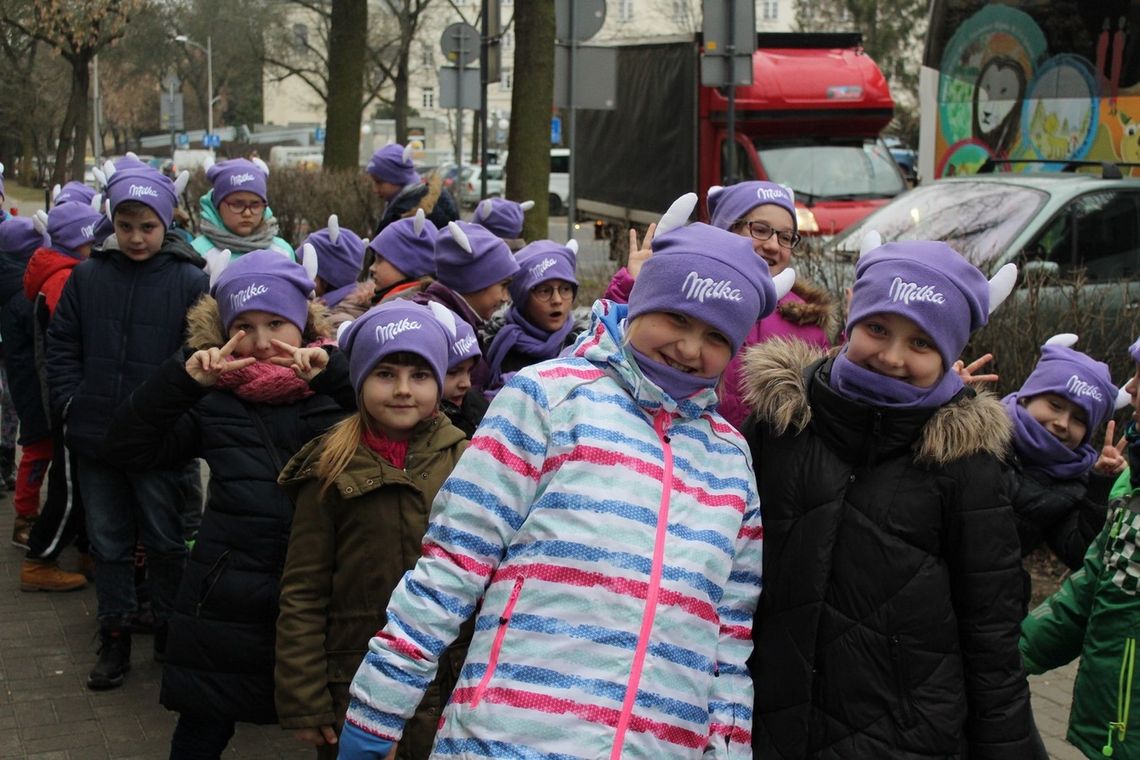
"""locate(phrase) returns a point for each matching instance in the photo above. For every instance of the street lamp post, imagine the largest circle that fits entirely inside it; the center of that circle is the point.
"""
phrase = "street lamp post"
(209, 50)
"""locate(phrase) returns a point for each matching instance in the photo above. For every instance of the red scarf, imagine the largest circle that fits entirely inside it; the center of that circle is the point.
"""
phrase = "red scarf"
(267, 383)
(395, 452)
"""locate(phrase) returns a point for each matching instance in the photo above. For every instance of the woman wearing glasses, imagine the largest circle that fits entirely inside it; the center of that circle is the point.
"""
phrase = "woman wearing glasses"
(766, 212)
(236, 213)
(540, 321)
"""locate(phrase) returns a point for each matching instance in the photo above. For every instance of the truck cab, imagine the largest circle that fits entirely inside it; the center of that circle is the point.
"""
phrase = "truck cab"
(811, 120)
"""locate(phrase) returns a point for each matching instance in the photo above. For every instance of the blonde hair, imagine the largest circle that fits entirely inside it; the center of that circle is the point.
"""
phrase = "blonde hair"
(340, 444)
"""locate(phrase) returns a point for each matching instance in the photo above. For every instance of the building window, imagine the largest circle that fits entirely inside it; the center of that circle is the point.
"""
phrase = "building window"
(429, 97)
(508, 39)
(505, 80)
(625, 10)
(680, 11)
(770, 10)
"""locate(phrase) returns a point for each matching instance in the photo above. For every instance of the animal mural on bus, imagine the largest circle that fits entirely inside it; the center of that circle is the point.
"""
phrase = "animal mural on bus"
(1005, 97)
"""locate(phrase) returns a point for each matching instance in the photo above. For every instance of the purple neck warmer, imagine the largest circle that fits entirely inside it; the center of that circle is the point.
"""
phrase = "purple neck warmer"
(858, 384)
(677, 384)
(520, 333)
(1040, 451)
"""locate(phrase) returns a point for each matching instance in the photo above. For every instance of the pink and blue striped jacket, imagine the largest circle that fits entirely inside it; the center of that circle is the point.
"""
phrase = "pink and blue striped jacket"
(608, 540)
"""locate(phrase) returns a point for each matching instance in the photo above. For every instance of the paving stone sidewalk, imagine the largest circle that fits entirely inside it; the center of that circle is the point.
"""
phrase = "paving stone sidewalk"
(47, 647)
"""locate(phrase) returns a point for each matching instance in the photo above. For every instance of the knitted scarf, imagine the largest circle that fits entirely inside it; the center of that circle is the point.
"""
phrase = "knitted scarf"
(858, 384)
(1041, 451)
(395, 452)
(519, 332)
(267, 383)
(260, 239)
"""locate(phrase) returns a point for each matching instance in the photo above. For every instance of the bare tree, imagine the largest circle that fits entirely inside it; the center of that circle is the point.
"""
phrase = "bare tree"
(408, 16)
(78, 29)
(528, 163)
(33, 98)
(348, 44)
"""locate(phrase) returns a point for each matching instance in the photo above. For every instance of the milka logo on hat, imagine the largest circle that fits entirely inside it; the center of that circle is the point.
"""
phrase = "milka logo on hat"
(390, 330)
(909, 292)
(88, 231)
(463, 345)
(701, 288)
(539, 269)
(240, 298)
(771, 194)
(142, 191)
(241, 179)
(1078, 387)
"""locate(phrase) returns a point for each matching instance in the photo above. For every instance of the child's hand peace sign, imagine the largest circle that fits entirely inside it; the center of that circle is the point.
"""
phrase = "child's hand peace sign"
(306, 362)
(966, 371)
(207, 365)
(638, 255)
(1111, 460)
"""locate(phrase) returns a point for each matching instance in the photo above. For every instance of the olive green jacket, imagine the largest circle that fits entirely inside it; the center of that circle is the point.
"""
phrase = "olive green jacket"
(1095, 615)
(347, 551)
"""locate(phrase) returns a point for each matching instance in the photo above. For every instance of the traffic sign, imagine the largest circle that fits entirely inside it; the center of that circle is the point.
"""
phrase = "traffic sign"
(460, 44)
(449, 90)
(595, 77)
(589, 17)
(170, 111)
(319, 134)
(729, 40)
(211, 141)
(183, 140)
(556, 130)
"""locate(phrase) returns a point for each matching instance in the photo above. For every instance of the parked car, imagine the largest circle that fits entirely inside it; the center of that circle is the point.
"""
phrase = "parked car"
(470, 184)
(1061, 229)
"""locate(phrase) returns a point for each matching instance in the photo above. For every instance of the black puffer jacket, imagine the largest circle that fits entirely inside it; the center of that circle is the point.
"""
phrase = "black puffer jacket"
(438, 205)
(220, 654)
(888, 624)
(116, 322)
(1065, 514)
(17, 326)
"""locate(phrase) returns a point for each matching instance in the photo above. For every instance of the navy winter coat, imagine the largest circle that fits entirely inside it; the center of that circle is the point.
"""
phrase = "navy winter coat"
(116, 322)
(17, 326)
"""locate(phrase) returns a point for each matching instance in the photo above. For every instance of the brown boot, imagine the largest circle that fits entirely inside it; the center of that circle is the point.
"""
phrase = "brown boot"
(39, 575)
(22, 530)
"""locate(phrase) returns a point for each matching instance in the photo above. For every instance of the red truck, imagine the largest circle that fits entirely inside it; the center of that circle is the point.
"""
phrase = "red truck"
(811, 120)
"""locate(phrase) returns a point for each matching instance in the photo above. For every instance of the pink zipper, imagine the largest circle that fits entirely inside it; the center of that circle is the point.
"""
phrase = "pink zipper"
(660, 426)
(493, 660)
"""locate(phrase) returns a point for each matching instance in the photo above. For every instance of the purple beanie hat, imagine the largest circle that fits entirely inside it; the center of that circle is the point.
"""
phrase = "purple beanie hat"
(1134, 351)
(930, 284)
(263, 281)
(72, 226)
(237, 175)
(147, 186)
(1076, 377)
(728, 205)
(501, 216)
(539, 262)
(464, 346)
(709, 274)
(340, 254)
(408, 245)
(19, 237)
(74, 192)
(396, 326)
(468, 258)
(393, 163)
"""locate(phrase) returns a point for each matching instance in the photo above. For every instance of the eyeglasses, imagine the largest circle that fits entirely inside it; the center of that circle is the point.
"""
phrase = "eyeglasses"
(237, 207)
(545, 292)
(763, 231)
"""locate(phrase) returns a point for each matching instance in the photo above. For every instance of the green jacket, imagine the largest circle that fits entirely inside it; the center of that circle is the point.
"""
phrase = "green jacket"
(204, 245)
(347, 551)
(1095, 615)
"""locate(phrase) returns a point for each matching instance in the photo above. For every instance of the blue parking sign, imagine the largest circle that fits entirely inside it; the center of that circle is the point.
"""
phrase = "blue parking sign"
(556, 130)
(319, 134)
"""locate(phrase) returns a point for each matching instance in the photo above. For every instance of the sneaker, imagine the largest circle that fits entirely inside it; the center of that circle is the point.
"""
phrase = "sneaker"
(22, 530)
(41, 575)
(114, 659)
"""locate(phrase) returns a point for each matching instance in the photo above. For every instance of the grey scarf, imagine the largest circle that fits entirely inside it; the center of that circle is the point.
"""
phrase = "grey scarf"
(260, 239)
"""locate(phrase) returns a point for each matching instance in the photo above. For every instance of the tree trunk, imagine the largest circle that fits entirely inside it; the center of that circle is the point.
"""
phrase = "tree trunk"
(81, 87)
(348, 41)
(476, 125)
(400, 103)
(67, 132)
(532, 97)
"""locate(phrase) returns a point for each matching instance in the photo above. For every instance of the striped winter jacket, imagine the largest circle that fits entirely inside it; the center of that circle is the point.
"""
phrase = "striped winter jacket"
(608, 540)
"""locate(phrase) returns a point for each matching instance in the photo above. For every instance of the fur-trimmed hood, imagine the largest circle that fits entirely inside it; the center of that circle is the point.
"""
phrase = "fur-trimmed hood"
(776, 391)
(204, 324)
(816, 309)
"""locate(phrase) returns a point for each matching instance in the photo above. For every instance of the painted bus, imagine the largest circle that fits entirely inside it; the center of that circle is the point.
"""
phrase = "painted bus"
(1029, 86)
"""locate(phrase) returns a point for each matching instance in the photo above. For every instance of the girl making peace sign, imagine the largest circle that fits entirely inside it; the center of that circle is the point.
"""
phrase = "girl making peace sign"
(254, 385)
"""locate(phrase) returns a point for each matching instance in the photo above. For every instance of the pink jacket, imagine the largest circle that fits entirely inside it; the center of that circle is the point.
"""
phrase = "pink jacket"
(804, 314)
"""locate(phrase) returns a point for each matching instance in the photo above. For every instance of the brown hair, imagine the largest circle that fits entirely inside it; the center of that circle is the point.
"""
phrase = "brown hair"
(133, 210)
